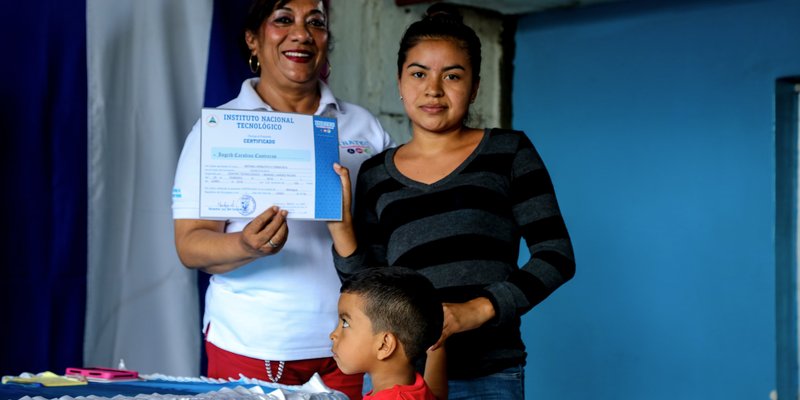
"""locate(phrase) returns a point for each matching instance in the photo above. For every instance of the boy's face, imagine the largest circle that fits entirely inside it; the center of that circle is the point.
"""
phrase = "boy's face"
(354, 344)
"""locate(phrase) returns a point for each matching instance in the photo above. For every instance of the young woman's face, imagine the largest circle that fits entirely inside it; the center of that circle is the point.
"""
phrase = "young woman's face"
(354, 343)
(437, 86)
(292, 43)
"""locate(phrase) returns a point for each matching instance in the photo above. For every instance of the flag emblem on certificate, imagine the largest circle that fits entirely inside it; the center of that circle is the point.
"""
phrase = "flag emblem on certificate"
(212, 121)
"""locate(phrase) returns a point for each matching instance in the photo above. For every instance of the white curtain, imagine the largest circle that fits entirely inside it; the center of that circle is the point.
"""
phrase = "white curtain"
(146, 76)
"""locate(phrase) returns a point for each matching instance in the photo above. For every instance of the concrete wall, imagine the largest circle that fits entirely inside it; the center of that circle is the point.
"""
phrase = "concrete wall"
(366, 38)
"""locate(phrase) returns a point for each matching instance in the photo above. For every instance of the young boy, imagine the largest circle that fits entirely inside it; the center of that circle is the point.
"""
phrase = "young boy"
(388, 318)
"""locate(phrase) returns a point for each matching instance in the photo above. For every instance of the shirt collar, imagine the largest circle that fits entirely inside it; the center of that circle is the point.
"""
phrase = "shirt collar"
(328, 104)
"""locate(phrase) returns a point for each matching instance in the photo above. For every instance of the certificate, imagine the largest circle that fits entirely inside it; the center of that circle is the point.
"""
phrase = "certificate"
(252, 160)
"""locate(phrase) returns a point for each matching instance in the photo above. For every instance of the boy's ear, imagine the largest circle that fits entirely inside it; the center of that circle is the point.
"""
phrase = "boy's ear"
(387, 345)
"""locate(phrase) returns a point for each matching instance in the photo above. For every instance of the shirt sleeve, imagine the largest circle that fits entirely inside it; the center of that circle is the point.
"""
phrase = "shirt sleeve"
(186, 187)
(537, 214)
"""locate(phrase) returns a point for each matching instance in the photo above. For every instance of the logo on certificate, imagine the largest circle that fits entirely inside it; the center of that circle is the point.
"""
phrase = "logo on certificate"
(323, 126)
(211, 121)
(247, 204)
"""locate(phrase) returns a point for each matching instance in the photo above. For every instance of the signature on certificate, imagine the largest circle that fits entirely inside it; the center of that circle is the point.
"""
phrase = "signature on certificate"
(245, 205)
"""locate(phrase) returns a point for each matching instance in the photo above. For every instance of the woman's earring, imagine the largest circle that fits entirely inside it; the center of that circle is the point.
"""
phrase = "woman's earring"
(401, 98)
(254, 66)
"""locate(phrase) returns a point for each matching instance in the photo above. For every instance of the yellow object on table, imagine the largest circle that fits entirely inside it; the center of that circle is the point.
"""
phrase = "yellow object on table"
(46, 378)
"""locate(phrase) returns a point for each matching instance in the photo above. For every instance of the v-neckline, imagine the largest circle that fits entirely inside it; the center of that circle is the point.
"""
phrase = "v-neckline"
(395, 173)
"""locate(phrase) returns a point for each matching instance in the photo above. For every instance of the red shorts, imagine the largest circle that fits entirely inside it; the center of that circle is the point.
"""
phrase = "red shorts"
(224, 364)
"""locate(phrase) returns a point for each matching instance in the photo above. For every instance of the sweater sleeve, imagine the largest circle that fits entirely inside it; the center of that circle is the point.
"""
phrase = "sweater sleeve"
(539, 219)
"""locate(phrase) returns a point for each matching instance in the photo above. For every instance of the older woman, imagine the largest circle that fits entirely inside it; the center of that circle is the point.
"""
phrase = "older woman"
(453, 203)
(271, 301)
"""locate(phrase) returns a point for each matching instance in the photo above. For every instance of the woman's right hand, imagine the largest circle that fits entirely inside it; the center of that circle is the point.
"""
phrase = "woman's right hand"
(342, 232)
(266, 233)
(461, 317)
(203, 244)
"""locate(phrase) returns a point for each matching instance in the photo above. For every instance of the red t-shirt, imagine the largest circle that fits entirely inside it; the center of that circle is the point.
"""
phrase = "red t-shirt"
(418, 391)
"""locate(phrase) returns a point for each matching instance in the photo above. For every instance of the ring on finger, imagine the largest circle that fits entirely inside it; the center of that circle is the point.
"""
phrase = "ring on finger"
(273, 245)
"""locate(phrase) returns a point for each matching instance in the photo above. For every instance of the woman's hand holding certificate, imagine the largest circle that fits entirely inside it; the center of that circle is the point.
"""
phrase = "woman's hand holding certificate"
(267, 233)
(344, 238)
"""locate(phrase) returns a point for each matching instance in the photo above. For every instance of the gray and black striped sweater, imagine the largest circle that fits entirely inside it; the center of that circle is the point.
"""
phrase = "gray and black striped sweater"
(463, 232)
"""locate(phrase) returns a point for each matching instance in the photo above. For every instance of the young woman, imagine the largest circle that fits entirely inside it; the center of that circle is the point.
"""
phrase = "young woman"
(272, 299)
(453, 203)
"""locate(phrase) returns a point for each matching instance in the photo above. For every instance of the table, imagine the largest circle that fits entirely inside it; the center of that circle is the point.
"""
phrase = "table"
(165, 387)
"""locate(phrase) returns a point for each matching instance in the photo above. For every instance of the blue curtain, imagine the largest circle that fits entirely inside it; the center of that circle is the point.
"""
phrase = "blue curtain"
(44, 196)
(226, 69)
(227, 52)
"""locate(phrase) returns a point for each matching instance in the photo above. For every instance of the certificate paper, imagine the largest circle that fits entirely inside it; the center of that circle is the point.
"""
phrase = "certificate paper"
(251, 160)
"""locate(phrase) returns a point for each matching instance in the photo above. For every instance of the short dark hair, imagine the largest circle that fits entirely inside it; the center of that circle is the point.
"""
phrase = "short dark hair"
(401, 301)
(261, 9)
(442, 21)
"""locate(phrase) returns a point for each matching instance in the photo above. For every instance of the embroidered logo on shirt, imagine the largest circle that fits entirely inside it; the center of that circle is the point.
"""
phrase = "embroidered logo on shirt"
(356, 146)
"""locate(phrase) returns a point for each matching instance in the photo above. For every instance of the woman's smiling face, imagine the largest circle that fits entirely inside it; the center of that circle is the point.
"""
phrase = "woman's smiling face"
(292, 43)
(436, 84)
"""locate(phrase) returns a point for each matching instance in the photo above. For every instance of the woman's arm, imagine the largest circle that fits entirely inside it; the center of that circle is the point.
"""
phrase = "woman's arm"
(551, 262)
(539, 218)
(355, 246)
(204, 245)
(342, 232)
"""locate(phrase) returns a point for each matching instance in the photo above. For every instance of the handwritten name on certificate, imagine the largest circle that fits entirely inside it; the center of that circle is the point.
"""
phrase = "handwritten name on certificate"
(251, 160)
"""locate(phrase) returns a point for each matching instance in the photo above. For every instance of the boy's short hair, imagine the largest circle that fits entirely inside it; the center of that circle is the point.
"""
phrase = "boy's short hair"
(401, 301)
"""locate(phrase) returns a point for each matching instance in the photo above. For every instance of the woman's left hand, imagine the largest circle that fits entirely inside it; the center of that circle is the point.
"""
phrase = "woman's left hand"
(344, 238)
(460, 317)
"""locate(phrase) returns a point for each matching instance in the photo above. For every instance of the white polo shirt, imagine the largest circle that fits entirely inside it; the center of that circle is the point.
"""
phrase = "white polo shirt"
(279, 307)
